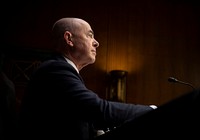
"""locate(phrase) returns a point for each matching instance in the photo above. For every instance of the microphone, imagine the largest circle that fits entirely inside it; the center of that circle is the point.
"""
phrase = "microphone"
(174, 80)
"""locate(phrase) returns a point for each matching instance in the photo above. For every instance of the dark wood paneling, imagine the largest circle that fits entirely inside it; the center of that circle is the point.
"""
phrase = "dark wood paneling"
(150, 39)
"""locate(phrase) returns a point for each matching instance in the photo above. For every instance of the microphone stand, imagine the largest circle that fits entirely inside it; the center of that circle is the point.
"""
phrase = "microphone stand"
(174, 80)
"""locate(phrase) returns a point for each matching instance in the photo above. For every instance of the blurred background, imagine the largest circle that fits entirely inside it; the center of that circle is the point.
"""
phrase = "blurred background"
(149, 39)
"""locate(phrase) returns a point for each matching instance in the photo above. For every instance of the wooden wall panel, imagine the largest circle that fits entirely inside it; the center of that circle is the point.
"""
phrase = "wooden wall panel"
(150, 39)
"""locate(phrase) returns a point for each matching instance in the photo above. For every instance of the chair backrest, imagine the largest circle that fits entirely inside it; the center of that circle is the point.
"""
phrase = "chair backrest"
(8, 112)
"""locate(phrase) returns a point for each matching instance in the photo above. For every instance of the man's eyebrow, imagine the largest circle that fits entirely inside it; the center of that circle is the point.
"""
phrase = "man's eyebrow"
(91, 32)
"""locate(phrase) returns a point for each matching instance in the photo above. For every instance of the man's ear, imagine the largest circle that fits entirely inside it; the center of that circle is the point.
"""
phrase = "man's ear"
(68, 38)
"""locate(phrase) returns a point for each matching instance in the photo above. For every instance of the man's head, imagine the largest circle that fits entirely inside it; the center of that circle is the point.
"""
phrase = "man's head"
(74, 38)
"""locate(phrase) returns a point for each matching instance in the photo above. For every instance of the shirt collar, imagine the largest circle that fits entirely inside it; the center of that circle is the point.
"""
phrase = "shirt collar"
(71, 63)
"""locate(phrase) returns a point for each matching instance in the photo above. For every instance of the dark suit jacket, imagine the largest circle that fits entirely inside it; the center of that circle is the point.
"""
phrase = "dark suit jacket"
(58, 105)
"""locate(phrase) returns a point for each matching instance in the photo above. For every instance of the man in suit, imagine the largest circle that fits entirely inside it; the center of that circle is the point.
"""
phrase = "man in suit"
(57, 103)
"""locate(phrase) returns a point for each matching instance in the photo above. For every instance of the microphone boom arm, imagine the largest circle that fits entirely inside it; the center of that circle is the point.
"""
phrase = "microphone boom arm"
(174, 80)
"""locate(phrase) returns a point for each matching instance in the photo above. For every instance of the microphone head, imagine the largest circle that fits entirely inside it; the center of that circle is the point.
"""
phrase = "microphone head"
(172, 79)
